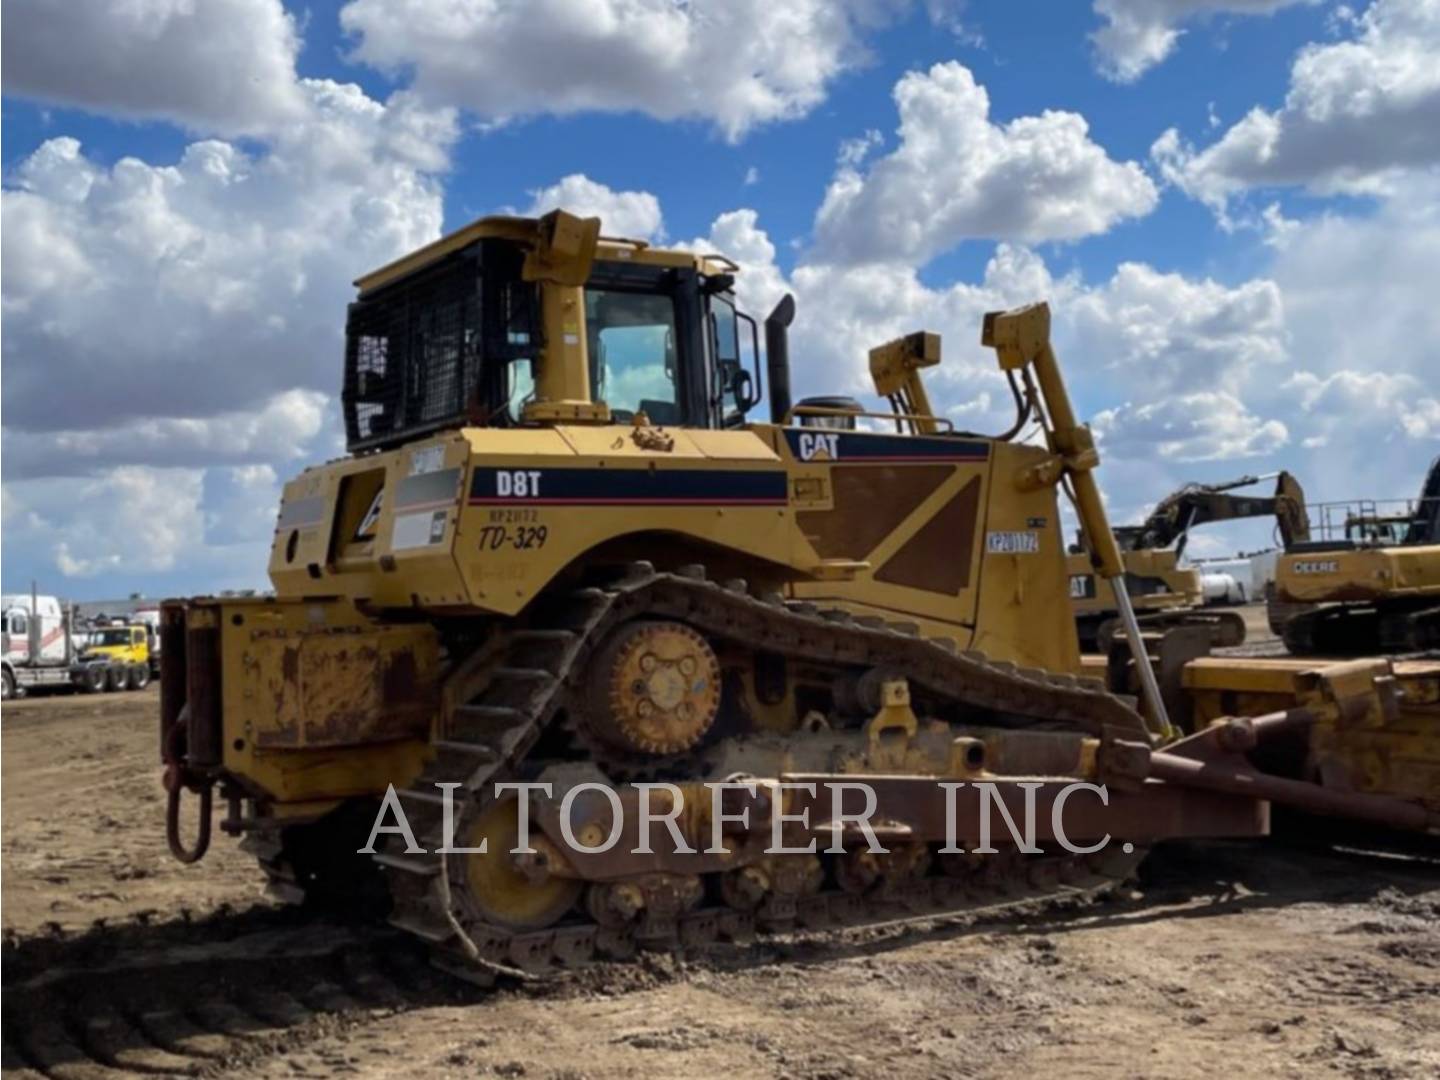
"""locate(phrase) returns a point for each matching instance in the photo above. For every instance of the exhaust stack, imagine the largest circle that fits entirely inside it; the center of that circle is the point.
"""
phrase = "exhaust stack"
(777, 357)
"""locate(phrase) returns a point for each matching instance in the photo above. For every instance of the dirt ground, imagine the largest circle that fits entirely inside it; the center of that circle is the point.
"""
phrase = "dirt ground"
(1247, 960)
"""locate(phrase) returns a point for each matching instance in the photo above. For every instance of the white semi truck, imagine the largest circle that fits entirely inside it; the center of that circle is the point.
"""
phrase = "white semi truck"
(40, 648)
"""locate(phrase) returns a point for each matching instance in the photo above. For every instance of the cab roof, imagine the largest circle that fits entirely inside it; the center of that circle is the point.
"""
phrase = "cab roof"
(522, 230)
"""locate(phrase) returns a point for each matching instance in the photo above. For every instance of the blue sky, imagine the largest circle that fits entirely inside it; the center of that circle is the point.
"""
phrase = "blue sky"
(1034, 55)
(187, 197)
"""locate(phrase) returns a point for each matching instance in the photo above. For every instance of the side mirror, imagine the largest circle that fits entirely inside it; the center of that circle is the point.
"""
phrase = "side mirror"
(742, 387)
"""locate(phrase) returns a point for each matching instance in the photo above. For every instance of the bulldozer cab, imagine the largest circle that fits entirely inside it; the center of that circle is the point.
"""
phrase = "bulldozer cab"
(665, 342)
(512, 322)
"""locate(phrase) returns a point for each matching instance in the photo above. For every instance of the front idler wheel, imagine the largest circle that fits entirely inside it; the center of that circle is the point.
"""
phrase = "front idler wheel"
(514, 891)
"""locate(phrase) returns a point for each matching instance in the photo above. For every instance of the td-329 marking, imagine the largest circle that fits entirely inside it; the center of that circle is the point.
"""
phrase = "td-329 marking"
(521, 538)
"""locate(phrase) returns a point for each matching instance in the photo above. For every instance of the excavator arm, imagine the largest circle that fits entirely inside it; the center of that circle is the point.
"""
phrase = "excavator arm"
(1425, 528)
(1204, 504)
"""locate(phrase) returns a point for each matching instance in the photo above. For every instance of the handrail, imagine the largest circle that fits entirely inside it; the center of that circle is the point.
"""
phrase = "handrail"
(820, 410)
(724, 260)
(638, 245)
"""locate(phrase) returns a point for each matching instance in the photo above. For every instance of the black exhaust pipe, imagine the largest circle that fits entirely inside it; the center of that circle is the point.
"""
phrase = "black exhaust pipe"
(777, 357)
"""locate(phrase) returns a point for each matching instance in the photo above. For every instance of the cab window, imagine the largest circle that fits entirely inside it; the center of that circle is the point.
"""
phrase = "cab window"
(632, 354)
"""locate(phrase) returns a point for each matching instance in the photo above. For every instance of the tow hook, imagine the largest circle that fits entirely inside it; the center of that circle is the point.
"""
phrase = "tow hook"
(176, 781)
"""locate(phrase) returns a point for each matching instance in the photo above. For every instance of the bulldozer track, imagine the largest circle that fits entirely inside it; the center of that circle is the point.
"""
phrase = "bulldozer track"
(1354, 630)
(527, 685)
(1226, 628)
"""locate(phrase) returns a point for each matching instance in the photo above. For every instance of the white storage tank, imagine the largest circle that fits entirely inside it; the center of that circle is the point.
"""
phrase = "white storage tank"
(1222, 588)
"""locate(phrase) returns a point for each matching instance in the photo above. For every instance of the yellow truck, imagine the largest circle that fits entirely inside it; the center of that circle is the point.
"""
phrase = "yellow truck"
(116, 658)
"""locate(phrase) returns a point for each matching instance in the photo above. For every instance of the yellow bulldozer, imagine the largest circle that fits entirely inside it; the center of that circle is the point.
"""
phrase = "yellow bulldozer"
(563, 588)
(1368, 583)
(1164, 592)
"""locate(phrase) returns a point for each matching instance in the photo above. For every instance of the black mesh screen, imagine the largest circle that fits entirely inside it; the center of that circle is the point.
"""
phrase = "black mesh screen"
(433, 349)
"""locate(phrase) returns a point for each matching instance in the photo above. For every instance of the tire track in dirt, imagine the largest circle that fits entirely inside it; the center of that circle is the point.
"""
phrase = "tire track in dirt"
(1247, 959)
(203, 996)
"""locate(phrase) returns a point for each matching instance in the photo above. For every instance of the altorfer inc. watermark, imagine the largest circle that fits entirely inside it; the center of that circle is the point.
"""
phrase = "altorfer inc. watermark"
(842, 824)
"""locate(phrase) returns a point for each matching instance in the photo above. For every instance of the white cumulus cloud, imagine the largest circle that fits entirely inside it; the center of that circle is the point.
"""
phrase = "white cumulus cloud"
(1138, 34)
(127, 519)
(1200, 426)
(172, 328)
(956, 175)
(1365, 335)
(1384, 405)
(219, 66)
(239, 505)
(207, 285)
(737, 235)
(1139, 348)
(1168, 333)
(734, 63)
(279, 430)
(632, 214)
(1358, 116)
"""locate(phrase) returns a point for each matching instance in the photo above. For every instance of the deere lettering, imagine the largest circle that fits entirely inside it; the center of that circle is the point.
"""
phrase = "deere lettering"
(1319, 566)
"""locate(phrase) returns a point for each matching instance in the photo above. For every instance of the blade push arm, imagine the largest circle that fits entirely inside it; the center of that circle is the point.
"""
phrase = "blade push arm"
(1021, 340)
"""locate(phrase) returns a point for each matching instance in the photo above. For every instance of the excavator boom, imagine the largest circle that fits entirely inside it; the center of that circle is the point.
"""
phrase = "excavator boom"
(1205, 504)
(1168, 592)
